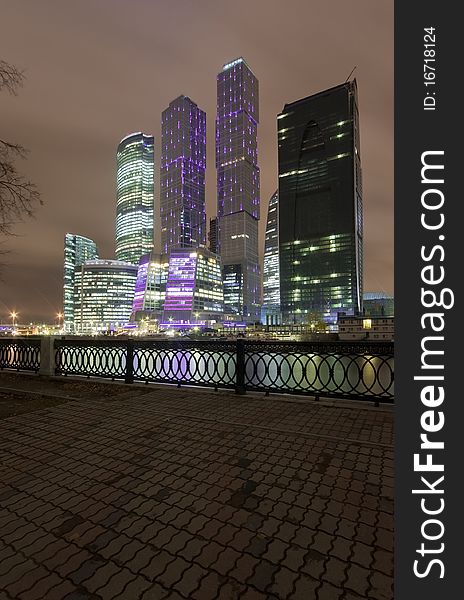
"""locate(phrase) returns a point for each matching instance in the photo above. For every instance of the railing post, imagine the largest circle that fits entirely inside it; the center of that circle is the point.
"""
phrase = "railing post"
(47, 355)
(240, 373)
(129, 378)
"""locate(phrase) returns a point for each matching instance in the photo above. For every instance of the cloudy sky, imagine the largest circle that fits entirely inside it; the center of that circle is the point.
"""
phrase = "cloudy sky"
(99, 69)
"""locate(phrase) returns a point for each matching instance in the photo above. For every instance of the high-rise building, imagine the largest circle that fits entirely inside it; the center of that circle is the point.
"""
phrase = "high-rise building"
(271, 280)
(238, 187)
(150, 288)
(183, 166)
(194, 291)
(320, 206)
(135, 197)
(103, 293)
(77, 249)
(212, 235)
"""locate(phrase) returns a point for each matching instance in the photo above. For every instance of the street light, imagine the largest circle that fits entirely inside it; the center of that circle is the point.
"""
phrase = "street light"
(13, 316)
(59, 316)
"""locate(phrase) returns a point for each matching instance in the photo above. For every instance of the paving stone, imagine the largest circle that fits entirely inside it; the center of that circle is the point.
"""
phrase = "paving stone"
(284, 582)
(305, 588)
(134, 589)
(43, 588)
(263, 576)
(190, 580)
(116, 585)
(164, 499)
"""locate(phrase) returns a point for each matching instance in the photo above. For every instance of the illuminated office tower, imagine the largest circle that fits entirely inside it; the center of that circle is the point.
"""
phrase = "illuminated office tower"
(135, 197)
(194, 291)
(183, 166)
(77, 249)
(150, 288)
(238, 188)
(103, 295)
(320, 206)
(271, 281)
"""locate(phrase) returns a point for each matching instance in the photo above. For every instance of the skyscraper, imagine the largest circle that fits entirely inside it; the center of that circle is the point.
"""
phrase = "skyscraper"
(103, 293)
(320, 205)
(183, 166)
(194, 291)
(135, 197)
(271, 279)
(238, 187)
(77, 249)
(150, 288)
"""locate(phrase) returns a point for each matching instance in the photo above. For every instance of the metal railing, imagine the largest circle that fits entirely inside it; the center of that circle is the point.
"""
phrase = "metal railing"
(21, 354)
(357, 370)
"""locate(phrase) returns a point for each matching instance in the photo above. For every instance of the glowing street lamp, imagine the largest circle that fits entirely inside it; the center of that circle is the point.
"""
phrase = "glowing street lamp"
(59, 316)
(13, 316)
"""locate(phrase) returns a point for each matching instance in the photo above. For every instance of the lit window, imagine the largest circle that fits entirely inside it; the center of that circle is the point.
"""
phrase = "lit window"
(367, 323)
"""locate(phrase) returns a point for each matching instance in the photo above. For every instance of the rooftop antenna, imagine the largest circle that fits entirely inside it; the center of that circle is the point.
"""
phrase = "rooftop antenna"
(352, 71)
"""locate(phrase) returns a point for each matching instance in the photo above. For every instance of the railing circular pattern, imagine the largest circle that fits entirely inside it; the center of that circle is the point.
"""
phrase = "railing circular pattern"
(349, 370)
(329, 370)
(205, 363)
(21, 354)
(96, 359)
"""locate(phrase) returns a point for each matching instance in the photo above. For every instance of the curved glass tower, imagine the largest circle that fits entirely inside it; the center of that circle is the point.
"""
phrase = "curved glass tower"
(271, 279)
(135, 197)
(320, 206)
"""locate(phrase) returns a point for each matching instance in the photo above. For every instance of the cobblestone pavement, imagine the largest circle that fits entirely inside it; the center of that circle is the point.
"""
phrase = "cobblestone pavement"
(147, 492)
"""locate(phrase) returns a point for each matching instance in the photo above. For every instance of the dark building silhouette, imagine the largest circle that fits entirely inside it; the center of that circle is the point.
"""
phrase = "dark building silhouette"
(320, 206)
(212, 235)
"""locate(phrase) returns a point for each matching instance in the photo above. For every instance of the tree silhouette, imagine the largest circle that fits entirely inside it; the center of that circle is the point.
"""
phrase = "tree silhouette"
(18, 196)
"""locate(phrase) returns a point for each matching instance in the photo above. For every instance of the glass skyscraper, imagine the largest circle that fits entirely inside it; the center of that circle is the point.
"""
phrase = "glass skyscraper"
(150, 288)
(194, 290)
(77, 249)
(238, 187)
(271, 279)
(103, 293)
(320, 206)
(183, 166)
(135, 197)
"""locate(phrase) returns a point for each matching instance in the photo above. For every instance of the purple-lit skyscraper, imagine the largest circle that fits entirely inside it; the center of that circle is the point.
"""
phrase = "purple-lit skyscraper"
(183, 166)
(238, 187)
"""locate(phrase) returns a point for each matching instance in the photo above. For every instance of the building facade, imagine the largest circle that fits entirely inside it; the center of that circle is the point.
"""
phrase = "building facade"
(366, 328)
(271, 279)
(320, 206)
(135, 197)
(77, 250)
(194, 291)
(378, 304)
(238, 188)
(183, 167)
(150, 288)
(104, 293)
(213, 235)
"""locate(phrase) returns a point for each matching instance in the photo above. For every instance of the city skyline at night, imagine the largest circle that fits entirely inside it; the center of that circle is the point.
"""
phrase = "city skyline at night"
(77, 180)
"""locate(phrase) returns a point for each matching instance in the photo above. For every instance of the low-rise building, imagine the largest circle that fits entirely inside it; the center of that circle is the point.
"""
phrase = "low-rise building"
(366, 328)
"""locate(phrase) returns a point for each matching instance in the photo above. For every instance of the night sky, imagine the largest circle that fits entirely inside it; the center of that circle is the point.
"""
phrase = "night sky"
(100, 69)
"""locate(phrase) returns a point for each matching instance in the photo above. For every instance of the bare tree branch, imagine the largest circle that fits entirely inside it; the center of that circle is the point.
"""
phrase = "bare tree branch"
(11, 78)
(18, 196)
